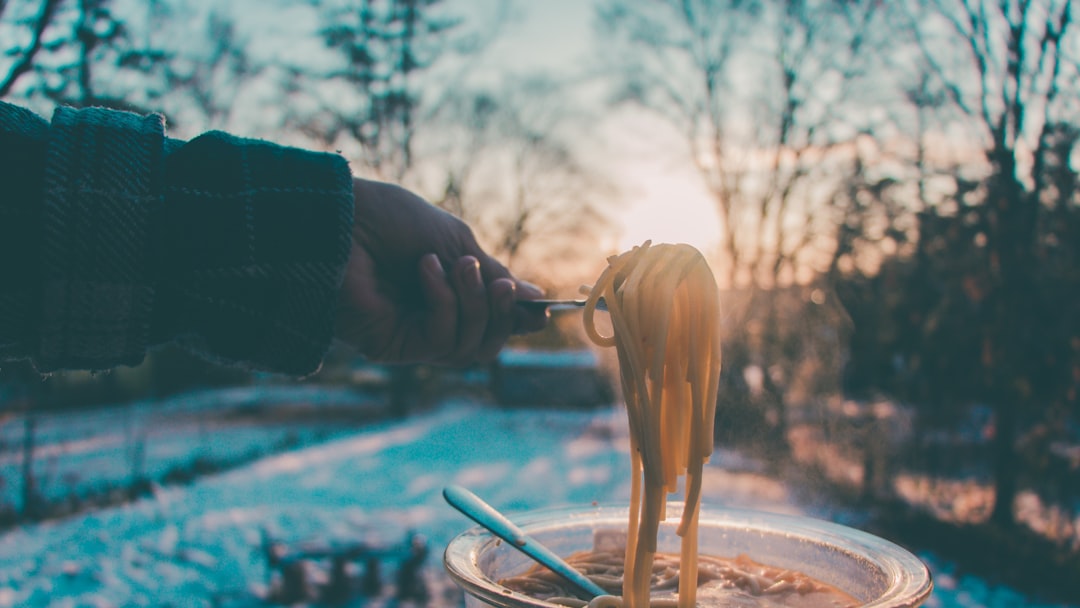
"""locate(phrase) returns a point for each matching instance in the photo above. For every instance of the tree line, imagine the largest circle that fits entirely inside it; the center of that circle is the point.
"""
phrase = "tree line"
(899, 177)
(917, 161)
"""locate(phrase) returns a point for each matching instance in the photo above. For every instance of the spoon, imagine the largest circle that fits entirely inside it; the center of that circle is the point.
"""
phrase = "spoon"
(484, 514)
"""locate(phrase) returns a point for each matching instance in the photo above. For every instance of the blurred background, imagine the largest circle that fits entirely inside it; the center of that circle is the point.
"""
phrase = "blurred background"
(886, 191)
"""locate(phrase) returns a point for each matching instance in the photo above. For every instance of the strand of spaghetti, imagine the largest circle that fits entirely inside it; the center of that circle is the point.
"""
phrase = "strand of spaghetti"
(639, 400)
(705, 327)
(688, 568)
(651, 337)
(625, 322)
(660, 316)
(635, 385)
(601, 287)
(633, 388)
(711, 312)
(704, 397)
(634, 338)
(663, 277)
(667, 396)
(629, 569)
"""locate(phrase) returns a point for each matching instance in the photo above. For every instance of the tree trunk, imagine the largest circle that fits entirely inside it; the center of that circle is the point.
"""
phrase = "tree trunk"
(775, 354)
(1005, 464)
(1013, 214)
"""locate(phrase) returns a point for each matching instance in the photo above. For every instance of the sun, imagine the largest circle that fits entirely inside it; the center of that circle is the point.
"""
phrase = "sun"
(668, 207)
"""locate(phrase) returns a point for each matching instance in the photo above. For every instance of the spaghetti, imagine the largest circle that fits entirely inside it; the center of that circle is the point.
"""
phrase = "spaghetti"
(722, 582)
(664, 308)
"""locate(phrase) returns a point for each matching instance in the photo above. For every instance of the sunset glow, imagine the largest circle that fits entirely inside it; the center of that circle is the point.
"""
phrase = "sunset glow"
(667, 207)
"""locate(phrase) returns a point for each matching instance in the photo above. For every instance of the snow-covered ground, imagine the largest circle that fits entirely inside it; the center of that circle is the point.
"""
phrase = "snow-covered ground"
(81, 451)
(200, 544)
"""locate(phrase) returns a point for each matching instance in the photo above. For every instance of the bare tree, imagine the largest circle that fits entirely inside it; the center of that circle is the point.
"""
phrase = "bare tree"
(202, 83)
(1010, 74)
(379, 88)
(82, 53)
(508, 161)
(27, 29)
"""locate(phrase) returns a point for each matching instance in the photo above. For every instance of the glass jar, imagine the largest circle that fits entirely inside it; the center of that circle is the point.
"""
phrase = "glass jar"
(877, 572)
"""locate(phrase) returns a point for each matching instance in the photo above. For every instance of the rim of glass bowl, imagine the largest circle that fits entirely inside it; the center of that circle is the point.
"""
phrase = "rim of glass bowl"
(910, 582)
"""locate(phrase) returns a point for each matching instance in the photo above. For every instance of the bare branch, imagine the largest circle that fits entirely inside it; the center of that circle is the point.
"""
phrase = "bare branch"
(927, 54)
(1050, 44)
(26, 59)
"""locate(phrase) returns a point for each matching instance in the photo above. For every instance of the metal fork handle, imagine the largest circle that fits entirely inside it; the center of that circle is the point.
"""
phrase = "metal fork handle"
(558, 305)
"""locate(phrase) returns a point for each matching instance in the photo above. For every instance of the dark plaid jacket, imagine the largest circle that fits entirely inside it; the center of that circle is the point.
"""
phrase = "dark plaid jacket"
(114, 239)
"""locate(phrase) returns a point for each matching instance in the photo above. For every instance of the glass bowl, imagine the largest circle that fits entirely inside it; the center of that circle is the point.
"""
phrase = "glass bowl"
(875, 571)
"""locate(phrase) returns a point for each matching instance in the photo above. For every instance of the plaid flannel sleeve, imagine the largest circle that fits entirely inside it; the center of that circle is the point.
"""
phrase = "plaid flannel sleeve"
(234, 248)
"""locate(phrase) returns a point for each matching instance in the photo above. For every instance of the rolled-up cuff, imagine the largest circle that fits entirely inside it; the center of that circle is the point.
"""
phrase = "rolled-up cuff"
(103, 187)
(254, 245)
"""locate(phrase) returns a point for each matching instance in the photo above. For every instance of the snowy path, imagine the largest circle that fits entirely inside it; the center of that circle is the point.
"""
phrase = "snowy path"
(188, 545)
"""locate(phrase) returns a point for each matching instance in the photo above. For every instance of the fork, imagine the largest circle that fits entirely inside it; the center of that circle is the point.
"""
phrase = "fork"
(558, 305)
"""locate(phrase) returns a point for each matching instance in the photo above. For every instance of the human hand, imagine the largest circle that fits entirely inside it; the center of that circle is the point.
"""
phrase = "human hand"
(418, 287)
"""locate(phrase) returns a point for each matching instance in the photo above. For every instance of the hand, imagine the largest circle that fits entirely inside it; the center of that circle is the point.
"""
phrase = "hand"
(418, 287)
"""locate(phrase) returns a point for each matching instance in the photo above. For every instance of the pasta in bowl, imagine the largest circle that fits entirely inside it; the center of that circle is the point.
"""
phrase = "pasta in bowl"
(664, 311)
(747, 552)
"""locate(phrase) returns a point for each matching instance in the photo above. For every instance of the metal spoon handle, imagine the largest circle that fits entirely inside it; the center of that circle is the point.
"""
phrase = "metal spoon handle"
(497, 523)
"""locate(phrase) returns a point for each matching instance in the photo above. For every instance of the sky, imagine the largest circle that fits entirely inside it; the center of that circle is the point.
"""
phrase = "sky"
(664, 198)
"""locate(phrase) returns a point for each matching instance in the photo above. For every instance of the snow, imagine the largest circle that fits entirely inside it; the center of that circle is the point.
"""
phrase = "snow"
(77, 452)
(583, 358)
(201, 544)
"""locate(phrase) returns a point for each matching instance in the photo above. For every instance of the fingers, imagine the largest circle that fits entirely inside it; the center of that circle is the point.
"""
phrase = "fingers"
(472, 309)
(467, 319)
(501, 294)
(486, 315)
(524, 320)
(440, 320)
